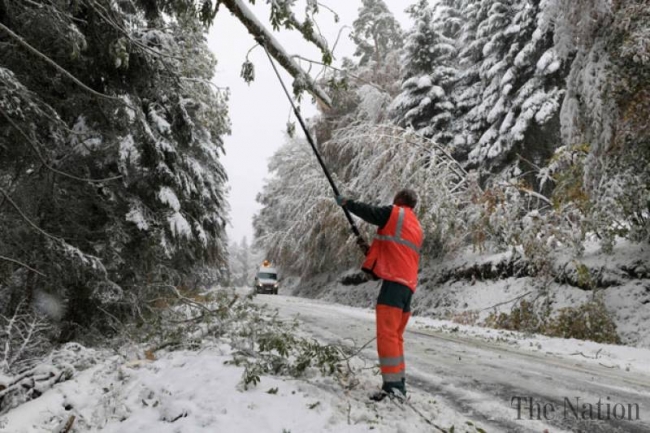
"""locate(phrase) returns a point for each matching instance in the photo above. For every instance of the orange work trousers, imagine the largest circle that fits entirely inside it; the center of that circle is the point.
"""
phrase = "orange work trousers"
(392, 312)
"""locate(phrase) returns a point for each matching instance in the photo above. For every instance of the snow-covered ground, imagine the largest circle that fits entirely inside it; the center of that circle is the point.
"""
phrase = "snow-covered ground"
(626, 358)
(193, 392)
(460, 376)
(198, 391)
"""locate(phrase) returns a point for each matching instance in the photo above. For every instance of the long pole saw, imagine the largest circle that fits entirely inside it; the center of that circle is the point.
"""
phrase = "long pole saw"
(355, 230)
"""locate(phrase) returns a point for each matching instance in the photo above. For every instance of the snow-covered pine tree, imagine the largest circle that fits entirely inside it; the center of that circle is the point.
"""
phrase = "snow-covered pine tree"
(522, 83)
(468, 87)
(603, 112)
(109, 171)
(429, 71)
(113, 188)
(244, 261)
(177, 195)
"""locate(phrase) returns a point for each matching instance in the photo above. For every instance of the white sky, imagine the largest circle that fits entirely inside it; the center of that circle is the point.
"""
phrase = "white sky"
(259, 112)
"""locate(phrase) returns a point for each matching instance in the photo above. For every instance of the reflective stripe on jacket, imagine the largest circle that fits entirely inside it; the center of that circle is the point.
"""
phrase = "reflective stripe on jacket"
(395, 252)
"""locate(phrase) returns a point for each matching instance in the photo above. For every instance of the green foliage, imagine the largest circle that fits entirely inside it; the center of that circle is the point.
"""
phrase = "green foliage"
(589, 321)
(248, 71)
(291, 128)
(567, 165)
(476, 428)
(263, 343)
(327, 58)
(251, 376)
(585, 280)
(270, 346)
(522, 318)
(376, 32)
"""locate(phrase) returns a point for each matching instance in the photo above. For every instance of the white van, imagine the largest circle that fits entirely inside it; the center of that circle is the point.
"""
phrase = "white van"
(266, 280)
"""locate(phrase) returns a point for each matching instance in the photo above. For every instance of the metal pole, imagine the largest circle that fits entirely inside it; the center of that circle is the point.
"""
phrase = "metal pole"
(355, 230)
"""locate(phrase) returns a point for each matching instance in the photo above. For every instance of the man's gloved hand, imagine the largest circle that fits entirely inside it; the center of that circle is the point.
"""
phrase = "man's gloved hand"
(340, 200)
(363, 245)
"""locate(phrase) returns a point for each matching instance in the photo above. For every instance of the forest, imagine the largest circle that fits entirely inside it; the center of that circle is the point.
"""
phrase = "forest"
(519, 123)
(522, 125)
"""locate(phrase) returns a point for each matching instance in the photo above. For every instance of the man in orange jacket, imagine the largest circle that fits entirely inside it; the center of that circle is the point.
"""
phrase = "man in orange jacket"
(394, 257)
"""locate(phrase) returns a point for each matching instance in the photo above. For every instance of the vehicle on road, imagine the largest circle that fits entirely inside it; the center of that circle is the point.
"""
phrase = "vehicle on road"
(266, 279)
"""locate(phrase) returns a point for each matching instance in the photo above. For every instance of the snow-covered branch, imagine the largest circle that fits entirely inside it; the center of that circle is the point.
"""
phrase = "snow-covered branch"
(54, 64)
(262, 35)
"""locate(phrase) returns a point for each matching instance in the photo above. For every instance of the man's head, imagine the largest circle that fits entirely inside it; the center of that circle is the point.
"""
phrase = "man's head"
(406, 197)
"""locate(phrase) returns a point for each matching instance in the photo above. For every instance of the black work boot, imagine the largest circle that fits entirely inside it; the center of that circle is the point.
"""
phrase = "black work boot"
(394, 392)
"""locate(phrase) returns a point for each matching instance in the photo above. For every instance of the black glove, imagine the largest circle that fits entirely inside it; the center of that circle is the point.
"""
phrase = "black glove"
(363, 245)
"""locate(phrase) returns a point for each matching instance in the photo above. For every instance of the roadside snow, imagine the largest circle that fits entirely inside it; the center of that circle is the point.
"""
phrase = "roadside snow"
(626, 358)
(195, 392)
(198, 391)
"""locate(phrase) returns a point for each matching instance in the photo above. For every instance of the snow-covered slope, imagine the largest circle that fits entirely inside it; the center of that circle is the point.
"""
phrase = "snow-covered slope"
(479, 284)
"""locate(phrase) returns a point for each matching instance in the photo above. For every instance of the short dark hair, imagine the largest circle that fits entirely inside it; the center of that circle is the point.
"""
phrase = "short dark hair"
(406, 197)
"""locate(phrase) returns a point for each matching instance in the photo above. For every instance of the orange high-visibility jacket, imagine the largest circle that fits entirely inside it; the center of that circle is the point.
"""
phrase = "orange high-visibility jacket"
(395, 252)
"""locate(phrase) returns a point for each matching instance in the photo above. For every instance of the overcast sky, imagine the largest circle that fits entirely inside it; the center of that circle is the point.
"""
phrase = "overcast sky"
(259, 111)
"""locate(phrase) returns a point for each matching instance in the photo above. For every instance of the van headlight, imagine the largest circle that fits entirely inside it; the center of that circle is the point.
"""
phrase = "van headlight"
(275, 285)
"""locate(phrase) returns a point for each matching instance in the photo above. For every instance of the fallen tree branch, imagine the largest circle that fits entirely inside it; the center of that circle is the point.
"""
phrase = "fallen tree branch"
(588, 357)
(68, 425)
(359, 350)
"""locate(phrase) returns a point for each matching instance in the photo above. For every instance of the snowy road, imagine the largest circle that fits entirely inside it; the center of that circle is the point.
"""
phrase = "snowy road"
(486, 380)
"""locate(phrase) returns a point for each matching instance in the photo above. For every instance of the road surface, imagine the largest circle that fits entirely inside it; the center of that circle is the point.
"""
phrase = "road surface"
(491, 383)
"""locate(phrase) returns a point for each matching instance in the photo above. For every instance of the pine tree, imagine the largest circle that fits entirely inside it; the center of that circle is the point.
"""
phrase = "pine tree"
(429, 73)
(110, 142)
(376, 32)
(520, 90)
(468, 87)
(110, 175)
(603, 113)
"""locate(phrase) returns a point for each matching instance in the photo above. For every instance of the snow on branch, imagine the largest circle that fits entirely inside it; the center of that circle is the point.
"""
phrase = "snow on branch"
(260, 33)
(51, 62)
(41, 374)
